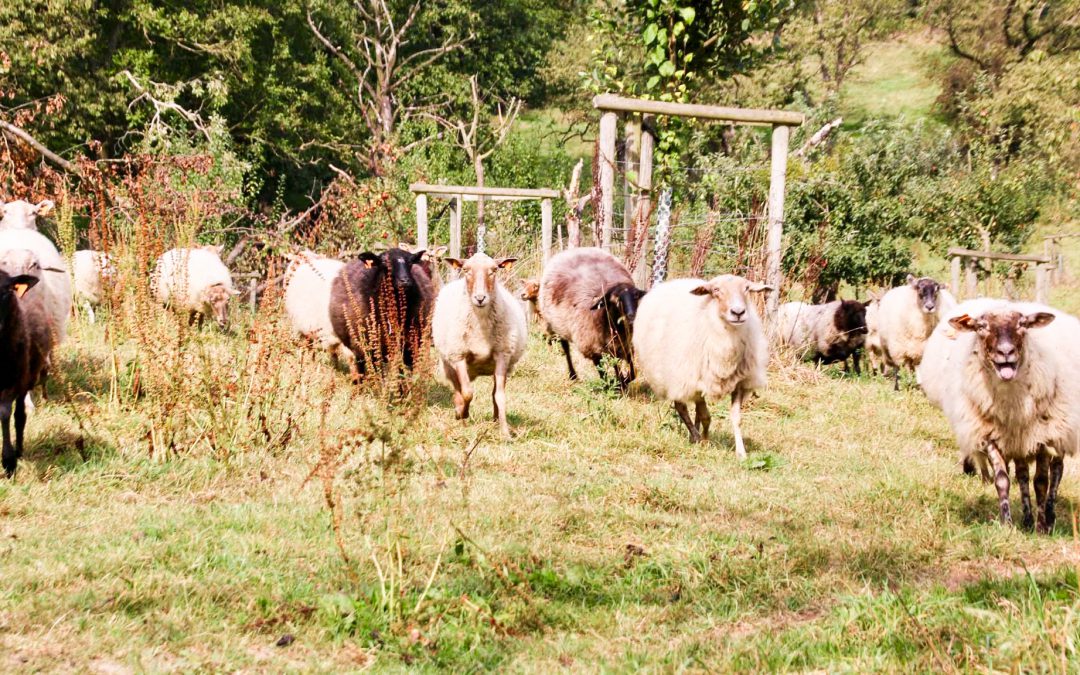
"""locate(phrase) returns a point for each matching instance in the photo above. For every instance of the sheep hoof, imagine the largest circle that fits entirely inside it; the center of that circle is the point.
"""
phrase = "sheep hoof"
(1029, 522)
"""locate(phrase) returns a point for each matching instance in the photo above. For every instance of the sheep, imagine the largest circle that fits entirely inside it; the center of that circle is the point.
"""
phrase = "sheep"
(530, 296)
(478, 329)
(380, 308)
(196, 280)
(25, 342)
(875, 355)
(587, 297)
(828, 333)
(906, 316)
(19, 215)
(30, 252)
(697, 339)
(308, 280)
(90, 268)
(1007, 377)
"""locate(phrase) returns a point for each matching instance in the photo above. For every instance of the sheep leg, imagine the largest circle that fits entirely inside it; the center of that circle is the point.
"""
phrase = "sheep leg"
(1042, 484)
(684, 414)
(855, 362)
(90, 312)
(896, 378)
(498, 397)
(1021, 466)
(10, 456)
(1001, 480)
(569, 359)
(1057, 468)
(703, 418)
(463, 390)
(736, 423)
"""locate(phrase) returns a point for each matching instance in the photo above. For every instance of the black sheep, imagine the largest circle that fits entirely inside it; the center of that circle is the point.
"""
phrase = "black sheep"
(380, 308)
(25, 342)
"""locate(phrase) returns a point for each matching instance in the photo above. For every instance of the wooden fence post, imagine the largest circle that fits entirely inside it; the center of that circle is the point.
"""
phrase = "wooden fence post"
(1042, 290)
(643, 203)
(954, 285)
(778, 173)
(632, 141)
(606, 140)
(421, 221)
(971, 280)
(545, 227)
(456, 204)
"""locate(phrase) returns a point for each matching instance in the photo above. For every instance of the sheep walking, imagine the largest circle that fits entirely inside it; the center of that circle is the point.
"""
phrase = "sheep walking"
(309, 279)
(18, 215)
(25, 342)
(90, 269)
(826, 333)
(195, 280)
(1007, 377)
(906, 316)
(25, 251)
(479, 329)
(695, 340)
(588, 298)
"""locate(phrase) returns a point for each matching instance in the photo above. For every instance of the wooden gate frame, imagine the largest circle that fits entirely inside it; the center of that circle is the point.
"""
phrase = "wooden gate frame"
(458, 194)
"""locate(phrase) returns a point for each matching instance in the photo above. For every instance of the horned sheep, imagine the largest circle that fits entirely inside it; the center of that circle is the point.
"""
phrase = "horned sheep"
(827, 333)
(906, 316)
(1007, 377)
(696, 340)
(197, 281)
(588, 298)
(478, 328)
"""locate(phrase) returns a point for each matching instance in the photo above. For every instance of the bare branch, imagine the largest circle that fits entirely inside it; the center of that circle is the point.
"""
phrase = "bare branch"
(22, 135)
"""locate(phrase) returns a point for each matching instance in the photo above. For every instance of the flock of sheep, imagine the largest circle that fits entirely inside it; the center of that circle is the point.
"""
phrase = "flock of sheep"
(1000, 371)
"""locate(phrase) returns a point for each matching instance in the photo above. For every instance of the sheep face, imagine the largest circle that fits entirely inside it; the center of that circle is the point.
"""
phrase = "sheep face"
(217, 301)
(530, 291)
(12, 288)
(479, 272)
(1000, 337)
(621, 304)
(729, 292)
(927, 290)
(23, 215)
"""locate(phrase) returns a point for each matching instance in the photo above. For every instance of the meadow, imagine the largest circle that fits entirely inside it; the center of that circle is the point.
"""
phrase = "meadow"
(277, 519)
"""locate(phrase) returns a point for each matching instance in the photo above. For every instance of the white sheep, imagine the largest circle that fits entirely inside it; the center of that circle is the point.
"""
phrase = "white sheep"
(196, 280)
(827, 333)
(478, 328)
(19, 215)
(695, 340)
(1007, 377)
(22, 251)
(90, 269)
(906, 316)
(308, 279)
(875, 354)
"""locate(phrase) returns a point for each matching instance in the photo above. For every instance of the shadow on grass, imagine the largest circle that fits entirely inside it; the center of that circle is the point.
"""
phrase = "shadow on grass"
(984, 510)
(62, 451)
(85, 373)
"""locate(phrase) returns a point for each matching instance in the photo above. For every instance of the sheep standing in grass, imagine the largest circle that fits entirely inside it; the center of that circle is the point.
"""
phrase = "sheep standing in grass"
(25, 342)
(90, 269)
(25, 251)
(906, 316)
(19, 215)
(309, 278)
(195, 280)
(588, 298)
(826, 333)
(875, 355)
(1007, 377)
(478, 329)
(695, 340)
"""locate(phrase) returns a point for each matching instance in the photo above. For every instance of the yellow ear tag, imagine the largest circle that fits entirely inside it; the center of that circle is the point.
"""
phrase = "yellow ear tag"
(20, 289)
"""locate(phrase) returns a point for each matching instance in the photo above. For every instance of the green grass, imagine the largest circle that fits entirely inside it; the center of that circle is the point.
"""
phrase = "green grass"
(893, 81)
(597, 539)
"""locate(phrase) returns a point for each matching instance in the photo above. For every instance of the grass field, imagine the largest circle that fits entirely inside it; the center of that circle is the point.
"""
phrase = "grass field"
(893, 80)
(597, 539)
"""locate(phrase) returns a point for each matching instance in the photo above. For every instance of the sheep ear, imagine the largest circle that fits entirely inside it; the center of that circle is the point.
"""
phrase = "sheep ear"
(1037, 320)
(755, 287)
(22, 283)
(964, 323)
(44, 207)
(505, 263)
(911, 280)
(597, 304)
(702, 290)
(405, 246)
(456, 263)
(420, 256)
(437, 251)
(369, 259)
